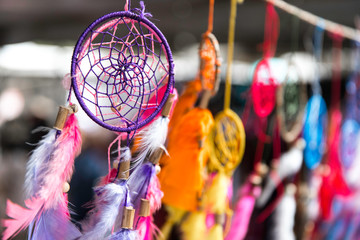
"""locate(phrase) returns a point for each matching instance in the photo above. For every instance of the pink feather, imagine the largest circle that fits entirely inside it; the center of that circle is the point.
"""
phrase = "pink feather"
(50, 195)
(154, 194)
(243, 212)
(21, 217)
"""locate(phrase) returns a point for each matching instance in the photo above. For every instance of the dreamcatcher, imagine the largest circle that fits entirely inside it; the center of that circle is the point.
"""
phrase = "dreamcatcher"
(48, 172)
(226, 144)
(291, 97)
(122, 75)
(190, 126)
(350, 126)
(315, 121)
(263, 88)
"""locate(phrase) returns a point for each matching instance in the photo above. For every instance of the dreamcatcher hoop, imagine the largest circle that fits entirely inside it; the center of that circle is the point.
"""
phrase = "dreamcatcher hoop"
(314, 130)
(210, 66)
(128, 68)
(226, 141)
(263, 91)
(290, 134)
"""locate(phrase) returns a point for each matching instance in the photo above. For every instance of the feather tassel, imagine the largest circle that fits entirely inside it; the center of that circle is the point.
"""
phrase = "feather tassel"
(194, 227)
(243, 211)
(50, 194)
(289, 164)
(284, 217)
(37, 163)
(216, 202)
(48, 226)
(124, 234)
(108, 204)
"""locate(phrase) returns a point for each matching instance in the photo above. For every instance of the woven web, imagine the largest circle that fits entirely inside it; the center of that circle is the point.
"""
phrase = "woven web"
(120, 71)
(227, 141)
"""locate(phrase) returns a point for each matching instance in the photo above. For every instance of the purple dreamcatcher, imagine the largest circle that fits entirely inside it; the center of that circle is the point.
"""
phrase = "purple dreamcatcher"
(123, 77)
(122, 70)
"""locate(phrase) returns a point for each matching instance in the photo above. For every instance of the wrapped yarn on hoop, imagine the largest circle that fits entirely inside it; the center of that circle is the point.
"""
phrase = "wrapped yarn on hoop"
(291, 98)
(210, 62)
(263, 89)
(119, 63)
(226, 148)
(314, 130)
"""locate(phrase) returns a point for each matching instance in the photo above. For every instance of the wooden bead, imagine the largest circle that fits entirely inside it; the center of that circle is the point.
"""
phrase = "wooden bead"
(66, 187)
(61, 118)
(144, 208)
(128, 218)
(219, 219)
(168, 105)
(124, 170)
(155, 157)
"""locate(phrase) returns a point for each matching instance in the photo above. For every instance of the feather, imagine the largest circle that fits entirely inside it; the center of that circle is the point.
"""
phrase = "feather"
(175, 215)
(176, 177)
(334, 182)
(139, 183)
(55, 224)
(216, 233)
(243, 211)
(124, 234)
(49, 195)
(154, 194)
(216, 202)
(144, 228)
(289, 164)
(194, 227)
(151, 138)
(68, 146)
(37, 163)
(109, 202)
(21, 217)
(284, 217)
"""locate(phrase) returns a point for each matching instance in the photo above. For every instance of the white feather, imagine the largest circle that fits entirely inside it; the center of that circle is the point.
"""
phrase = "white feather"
(151, 138)
(108, 206)
(284, 218)
(37, 164)
(289, 164)
(352, 174)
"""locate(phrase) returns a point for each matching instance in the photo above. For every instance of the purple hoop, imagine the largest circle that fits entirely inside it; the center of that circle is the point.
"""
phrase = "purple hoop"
(142, 21)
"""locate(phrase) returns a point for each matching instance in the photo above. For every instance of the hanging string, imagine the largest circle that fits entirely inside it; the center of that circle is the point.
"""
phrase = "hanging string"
(329, 26)
(127, 6)
(211, 16)
(231, 39)
(271, 31)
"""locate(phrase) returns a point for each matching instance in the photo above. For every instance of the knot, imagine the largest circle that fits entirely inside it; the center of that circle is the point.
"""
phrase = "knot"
(141, 11)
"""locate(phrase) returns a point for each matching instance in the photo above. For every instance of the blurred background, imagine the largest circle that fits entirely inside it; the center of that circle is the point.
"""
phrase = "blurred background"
(36, 43)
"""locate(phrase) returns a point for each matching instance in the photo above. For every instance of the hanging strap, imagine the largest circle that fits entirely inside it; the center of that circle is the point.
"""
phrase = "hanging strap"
(211, 16)
(231, 39)
(271, 31)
